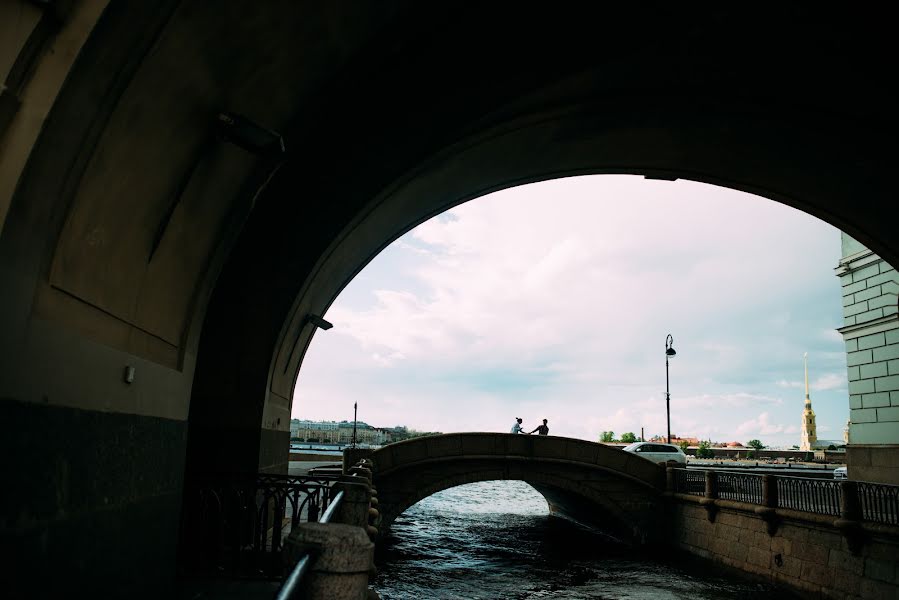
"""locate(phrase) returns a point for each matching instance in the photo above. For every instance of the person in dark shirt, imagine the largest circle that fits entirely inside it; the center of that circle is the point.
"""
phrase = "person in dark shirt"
(541, 429)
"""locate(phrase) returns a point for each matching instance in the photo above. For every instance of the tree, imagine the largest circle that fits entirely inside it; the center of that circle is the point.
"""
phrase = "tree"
(755, 445)
(705, 451)
(683, 445)
(630, 437)
(607, 436)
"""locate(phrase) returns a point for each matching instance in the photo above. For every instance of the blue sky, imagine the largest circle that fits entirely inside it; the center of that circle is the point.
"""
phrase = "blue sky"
(553, 301)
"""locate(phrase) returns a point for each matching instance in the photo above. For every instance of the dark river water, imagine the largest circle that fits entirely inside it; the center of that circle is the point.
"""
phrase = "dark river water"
(496, 540)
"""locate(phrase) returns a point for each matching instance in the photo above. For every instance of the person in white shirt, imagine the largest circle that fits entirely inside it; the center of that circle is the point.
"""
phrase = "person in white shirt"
(517, 427)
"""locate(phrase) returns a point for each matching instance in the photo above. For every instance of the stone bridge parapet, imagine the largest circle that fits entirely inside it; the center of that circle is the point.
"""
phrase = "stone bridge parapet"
(585, 481)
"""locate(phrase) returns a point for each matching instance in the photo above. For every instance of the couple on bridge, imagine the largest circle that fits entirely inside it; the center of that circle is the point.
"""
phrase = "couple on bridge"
(542, 429)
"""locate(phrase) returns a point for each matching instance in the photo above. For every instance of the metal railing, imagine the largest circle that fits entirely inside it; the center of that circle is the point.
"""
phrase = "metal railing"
(818, 496)
(879, 503)
(291, 586)
(236, 525)
(740, 487)
(853, 500)
(689, 482)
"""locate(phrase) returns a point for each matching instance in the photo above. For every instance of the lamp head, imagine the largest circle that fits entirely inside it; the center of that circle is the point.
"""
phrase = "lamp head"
(670, 351)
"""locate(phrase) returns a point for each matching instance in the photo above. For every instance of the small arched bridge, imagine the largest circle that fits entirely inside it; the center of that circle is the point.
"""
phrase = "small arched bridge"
(585, 481)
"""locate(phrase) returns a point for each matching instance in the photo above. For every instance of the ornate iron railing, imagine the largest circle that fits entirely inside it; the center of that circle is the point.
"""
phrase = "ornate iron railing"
(879, 502)
(740, 487)
(235, 526)
(689, 482)
(820, 496)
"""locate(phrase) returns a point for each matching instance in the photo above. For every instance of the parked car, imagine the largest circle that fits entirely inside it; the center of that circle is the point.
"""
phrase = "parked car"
(657, 453)
(840, 473)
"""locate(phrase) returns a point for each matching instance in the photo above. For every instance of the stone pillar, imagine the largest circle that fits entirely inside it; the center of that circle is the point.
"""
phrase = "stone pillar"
(342, 556)
(351, 456)
(353, 510)
(670, 482)
(850, 507)
(769, 491)
(711, 484)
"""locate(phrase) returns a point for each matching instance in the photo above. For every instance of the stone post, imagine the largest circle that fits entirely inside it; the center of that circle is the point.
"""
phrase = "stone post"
(849, 522)
(351, 456)
(769, 491)
(342, 556)
(711, 484)
(670, 482)
(850, 507)
(356, 502)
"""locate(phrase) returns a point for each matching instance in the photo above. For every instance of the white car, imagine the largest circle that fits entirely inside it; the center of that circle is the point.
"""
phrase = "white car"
(657, 452)
(840, 473)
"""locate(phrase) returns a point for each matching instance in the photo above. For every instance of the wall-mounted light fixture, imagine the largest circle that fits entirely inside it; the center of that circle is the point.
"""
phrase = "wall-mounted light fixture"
(128, 375)
(254, 138)
(319, 322)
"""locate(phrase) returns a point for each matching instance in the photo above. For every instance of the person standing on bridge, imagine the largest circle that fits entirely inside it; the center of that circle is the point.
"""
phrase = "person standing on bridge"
(516, 428)
(541, 429)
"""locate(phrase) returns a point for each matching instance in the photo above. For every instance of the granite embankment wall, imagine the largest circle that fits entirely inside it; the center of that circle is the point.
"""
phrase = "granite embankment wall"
(818, 555)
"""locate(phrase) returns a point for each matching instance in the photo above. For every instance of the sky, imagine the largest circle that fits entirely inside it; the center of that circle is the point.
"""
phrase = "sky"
(553, 300)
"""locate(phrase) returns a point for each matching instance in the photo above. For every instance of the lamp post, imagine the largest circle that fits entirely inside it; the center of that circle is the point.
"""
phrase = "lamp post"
(669, 351)
(355, 404)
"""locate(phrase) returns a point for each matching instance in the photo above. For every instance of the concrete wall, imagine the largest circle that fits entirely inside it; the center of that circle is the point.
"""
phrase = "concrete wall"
(871, 331)
(805, 553)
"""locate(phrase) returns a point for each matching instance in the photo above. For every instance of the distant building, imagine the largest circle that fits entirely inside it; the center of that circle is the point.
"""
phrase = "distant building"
(808, 437)
(870, 290)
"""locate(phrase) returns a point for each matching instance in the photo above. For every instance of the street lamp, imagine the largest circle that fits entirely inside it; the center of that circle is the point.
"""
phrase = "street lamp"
(669, 351)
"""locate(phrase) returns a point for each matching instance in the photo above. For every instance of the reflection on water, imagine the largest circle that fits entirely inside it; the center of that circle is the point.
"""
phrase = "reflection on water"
(496, 540)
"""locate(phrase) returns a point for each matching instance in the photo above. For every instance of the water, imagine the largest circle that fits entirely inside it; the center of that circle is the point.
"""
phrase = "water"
(496, 540)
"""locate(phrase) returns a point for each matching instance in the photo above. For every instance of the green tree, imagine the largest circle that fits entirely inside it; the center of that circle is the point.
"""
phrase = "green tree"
(704, 451)
(683, 445)
(755, 445)
(607, 436)
(630, 437)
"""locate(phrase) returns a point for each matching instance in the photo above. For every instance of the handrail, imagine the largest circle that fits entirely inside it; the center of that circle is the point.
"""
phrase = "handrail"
(291, 586)
(332, 508)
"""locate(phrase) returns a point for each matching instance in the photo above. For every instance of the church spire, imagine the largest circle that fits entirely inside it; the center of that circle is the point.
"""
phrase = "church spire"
(809, 435)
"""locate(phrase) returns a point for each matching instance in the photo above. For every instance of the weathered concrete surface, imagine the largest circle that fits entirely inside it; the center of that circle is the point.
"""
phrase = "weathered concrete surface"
(589, 482)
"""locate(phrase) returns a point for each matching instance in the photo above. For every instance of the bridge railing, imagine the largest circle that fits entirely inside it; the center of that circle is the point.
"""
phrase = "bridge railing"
(819, 496)
(852, 500)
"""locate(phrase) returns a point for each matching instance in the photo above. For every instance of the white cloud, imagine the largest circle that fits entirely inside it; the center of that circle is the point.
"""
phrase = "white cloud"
(554, 300)
(761, 425)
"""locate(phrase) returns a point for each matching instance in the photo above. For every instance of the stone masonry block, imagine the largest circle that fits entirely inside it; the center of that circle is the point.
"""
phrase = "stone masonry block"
(863, 386)
(828, 539)
(817, 574)
(881, 278)
(879, 369)
(849, 299)
(865, 273)
(846, 582)
(870, 315)
(867, 294)
(851, 288)
(812, 553)
(863, 415)
(891, 309)
(859, 358)
(887, 384)
(871, 341)
(856, 309)
(892, 336)
(890, 287)
(890, 413)
(894, 398)
(845, 561)
(877, 590)
(781, 545)
(855, 401)
(893, 367)
(876, 400)
(849, 320)
(885, 353)
(728, 519)
(853, 372)
(881, 570)
(760, 557)
(881, 301)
